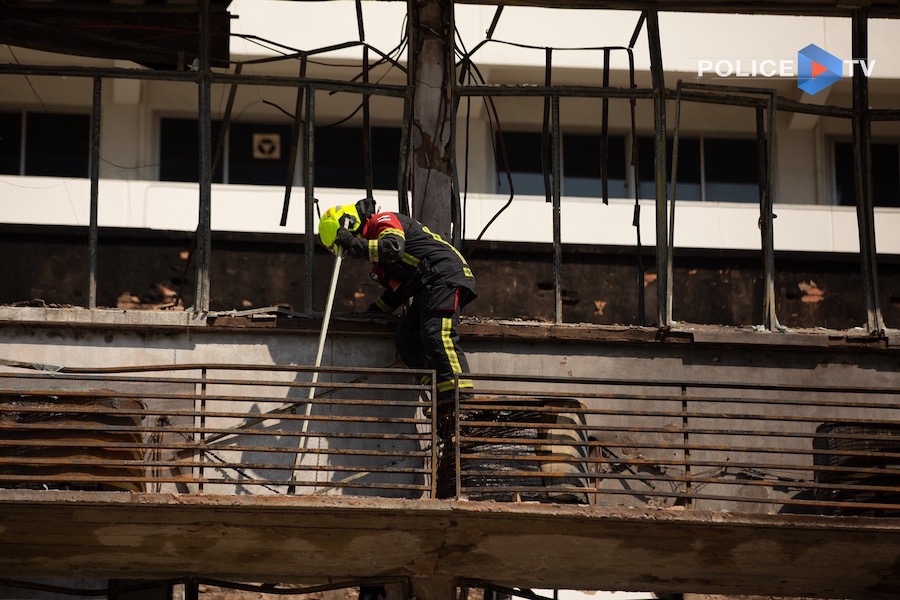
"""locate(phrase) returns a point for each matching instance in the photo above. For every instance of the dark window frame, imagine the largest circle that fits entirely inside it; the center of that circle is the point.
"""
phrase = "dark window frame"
(48, 144)
(531, 177)
(692, 185)
(333, 166)
(838, 181)
(698, 179)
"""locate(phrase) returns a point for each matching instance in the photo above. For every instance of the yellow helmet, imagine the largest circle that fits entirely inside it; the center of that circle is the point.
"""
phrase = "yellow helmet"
(335, 218)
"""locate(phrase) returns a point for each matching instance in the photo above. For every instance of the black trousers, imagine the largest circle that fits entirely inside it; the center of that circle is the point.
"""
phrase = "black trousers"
(426, 336)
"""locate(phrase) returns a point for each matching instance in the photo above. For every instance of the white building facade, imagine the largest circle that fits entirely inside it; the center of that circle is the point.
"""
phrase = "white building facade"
(148, 156)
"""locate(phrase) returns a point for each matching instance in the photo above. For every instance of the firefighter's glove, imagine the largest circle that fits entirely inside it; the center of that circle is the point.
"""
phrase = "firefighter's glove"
(344, 238)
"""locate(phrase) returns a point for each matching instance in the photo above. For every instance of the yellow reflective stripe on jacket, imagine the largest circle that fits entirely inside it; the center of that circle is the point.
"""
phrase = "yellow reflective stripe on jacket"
(466, 270)
(410, 259)
(392, 230)
(373, 244)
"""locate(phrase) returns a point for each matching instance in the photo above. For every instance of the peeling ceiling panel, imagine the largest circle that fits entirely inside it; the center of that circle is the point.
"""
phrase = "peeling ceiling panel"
(157, 34)
(876, 8)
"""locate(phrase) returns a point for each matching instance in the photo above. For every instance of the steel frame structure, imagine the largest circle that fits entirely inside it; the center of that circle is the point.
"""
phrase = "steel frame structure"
(767, 104)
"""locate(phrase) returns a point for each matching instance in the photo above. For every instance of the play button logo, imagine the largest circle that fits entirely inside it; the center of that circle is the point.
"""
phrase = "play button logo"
(817, 69)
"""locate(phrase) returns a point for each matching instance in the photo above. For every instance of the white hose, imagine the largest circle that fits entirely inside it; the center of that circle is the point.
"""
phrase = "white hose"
(329, 303)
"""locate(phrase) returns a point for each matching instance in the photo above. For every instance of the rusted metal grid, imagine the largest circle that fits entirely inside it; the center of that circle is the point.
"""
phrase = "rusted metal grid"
(678, 445)
(227, 429)
(218, 429)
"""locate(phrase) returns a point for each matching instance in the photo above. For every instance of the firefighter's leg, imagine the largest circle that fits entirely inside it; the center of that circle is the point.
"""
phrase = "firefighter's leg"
(441, 343)
(409, 340)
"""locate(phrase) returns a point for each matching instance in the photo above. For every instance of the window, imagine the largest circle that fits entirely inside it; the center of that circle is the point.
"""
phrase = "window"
(258, 153)
(340, 162)
(580, 165)
(711, 169)
(10, 143)
(581, 161)
(56, 145)
(885, 174)
(179, 150)
(688, 186)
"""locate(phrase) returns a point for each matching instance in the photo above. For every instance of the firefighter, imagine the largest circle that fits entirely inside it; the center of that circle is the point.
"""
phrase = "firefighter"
(410, 262)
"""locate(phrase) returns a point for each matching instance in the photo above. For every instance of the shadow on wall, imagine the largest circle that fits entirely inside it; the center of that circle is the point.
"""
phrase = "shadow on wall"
(349, 441)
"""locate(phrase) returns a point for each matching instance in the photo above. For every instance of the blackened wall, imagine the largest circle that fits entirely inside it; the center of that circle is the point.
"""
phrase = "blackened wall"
(607, 285)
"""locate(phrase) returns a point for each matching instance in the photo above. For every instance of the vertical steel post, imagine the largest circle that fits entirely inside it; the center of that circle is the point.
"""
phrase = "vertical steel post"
(404, 168)
(437, 433)
(403, 165)
(664, 289)
(766, 158)
(546, 152)
(457, 218)
(191, 589)
(670, 248)
(204, 218)
(635, 170)
(862, 159)
(309, 173)
(686, 440)
(226, 119)
(367, 126)
(295, 143)
(604, 132)
(456, 432)
(557, 228)
(95, 195)
(201, 471)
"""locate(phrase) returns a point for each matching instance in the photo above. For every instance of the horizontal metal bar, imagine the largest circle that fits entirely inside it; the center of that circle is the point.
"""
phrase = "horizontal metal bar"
(182, 464)
(560, 91)
(212, 481)
(679, 383)
(574, 381)
(374, 89)
(678, 479)
(89, 409)
(667, 414)
(675, 495)
(503, 403)
(64, 372)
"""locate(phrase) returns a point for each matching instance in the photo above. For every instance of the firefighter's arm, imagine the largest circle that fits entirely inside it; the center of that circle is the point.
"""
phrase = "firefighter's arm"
(391, 298)
(389, 239)
(387, 303)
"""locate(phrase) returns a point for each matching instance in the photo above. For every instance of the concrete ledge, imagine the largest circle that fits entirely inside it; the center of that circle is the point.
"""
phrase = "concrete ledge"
(303, 539)
(283, 320)
(101, 316)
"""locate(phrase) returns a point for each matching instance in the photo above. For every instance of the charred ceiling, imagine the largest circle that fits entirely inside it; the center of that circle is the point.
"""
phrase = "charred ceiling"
(876, 8)
(155, 33)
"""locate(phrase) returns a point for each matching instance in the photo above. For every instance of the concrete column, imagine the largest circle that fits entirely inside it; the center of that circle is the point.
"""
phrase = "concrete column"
(433, 588)
(432, 159)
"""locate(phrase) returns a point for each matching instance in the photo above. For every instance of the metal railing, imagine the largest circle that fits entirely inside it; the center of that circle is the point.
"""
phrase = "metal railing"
(677, 444)
(220, 429)
(231, 429)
